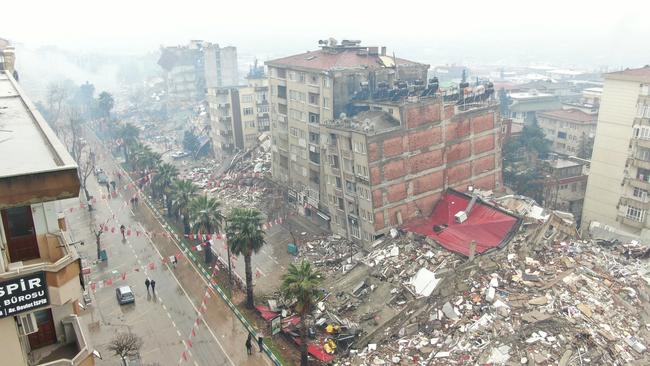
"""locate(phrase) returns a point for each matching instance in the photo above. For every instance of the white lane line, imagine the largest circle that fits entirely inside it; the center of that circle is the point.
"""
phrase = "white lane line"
(178, 332)
(164, 307)
(185, 292)
(169, 316)
(174, 324)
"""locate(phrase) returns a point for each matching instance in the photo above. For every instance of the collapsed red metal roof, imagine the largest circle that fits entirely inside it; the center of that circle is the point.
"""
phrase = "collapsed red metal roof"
(489, 226)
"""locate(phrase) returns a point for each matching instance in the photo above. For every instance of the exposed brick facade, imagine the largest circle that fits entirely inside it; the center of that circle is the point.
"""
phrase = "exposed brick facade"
(396, 192)
(459, 151)
(421, 139)
(393, 147)
(425, 161)
(394, 169)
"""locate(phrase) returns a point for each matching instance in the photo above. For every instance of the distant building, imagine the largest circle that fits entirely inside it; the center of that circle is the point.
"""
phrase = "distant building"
(40, 270)
(191, 69)
(8, 58)
(565, 191)
(238, 115)
(619, 179)
(522, 106)
(569, 130)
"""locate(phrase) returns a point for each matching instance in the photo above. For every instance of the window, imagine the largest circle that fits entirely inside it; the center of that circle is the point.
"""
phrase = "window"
(20, 233)
(635, 214)
(334, 161)
(561, 135)
(350, 187)
(314, 98)
(326, 82)
(293, 131)
(326, 103)
(297, 96)
(642, 132)
(643, 174)
(297, 115)
(347, 165)
(313, 79)
(302, 77)
(363, 192)
(341, 205)
(359, 147)
(281, 73)
(338, 182)
(643, 154)
(314, 157)
(248, 111)
(292, 75)
(362, 170)
(248, 98)
(282, 92)
(574, 187)
(314, 118)
(282, 109)
(354, 231)
(264, 108)
(314, 138)
(640, 193)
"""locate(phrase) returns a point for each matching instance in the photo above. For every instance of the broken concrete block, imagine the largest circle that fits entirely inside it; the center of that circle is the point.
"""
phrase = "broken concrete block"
(585, 309)
(490, 294)
(494, 282)
(540, 300)
(635, 344)
(564, 361)
(449, 311)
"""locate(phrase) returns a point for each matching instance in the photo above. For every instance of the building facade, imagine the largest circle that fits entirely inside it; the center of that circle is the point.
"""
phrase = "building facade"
(238, 115)
(40, 282)
(309, 88)
(619, 178)
(565, 190)
(569, 130)
(191, 69)
(391, 162)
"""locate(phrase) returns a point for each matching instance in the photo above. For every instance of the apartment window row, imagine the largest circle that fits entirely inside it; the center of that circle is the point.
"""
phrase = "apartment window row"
(367, 215)
(354, 231)
(248, 98)
(366, 236)
(635, 214)
(248, 111)
(640, 193)
(297, 96)
(362, 170)
(350, 187)
(642, 132)
(263, 108)
(297, 115)
(363, 192)
(643, 154)
(643, 174)
(359, 147)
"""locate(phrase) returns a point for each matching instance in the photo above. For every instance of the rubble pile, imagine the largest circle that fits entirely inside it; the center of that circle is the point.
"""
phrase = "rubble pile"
(331, 254)
(555, 302)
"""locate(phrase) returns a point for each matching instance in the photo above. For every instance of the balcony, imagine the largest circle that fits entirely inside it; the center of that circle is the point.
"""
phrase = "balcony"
(630, 222)
(641, 163)
(630, 200)
(73, 350)
(225, 120)
(638, 183)
(55, 252)
(642, 143)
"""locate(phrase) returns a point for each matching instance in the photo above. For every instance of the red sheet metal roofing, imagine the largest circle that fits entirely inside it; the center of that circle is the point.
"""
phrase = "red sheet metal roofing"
(487, 225)
(317, 351)
(344, 59)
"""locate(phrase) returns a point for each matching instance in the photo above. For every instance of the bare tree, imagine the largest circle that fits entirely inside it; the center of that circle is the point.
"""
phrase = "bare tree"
(125, 345)
(98, 233)
(56, 95)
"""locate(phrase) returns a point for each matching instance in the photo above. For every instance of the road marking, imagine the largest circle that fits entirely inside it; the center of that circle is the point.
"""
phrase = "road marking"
(169, 316)
(185, 292)
(174, 324)
(164, 307)
(177, 331)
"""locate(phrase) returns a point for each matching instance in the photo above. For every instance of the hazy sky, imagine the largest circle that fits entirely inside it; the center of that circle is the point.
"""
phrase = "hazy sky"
(596, 31)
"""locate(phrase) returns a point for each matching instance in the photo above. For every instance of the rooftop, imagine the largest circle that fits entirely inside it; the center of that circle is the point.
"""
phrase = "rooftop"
(641, 74)
(563, 163)
(570, 115)
(369, 122)
(337, 58)
(529, 95)
(29, 148)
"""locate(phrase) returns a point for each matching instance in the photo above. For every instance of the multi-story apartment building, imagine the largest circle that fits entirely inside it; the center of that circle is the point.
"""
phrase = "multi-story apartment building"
(238, 115)
(190, 69)
(316, 86)
(523, 105)
(40, 283)
(7, 57)
(569, 130)
(619, 178)
(391, 162)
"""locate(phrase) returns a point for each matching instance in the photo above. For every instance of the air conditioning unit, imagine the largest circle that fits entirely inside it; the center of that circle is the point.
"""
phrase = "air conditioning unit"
(27, 324)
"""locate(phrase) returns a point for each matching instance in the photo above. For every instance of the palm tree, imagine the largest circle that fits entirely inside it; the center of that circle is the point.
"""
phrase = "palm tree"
(129, 135)
(205, 214)
(245, 237)
(145, 158)
(182, 193)
(301, 283)
(162, 182)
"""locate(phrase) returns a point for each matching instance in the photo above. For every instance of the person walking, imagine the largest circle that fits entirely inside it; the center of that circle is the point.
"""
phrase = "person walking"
(260, 341)
(122, 230)
(108, 188)
(249, 344)
(153, 286)
(147, 283)
(113, 185)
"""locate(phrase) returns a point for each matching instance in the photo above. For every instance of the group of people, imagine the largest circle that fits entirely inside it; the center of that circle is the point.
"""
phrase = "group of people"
(249, 343)
(151, 283)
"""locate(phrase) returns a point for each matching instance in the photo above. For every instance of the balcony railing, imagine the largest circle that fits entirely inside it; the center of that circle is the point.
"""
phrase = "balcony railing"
(641, 163)
(74, 350)
(55, 254)
(630, 222)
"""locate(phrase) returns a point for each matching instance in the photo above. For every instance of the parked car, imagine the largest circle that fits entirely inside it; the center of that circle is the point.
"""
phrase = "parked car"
(124, 295)
(102, 178)
(180, 154)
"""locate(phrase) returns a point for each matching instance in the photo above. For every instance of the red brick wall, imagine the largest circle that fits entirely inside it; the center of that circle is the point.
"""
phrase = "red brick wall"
(483, 144)
(459, 151)
(393, 147)
(375, 175)
(483, 122)
(397, 192)
(459, 173)
(421, 139)
(425, 161)
(487, 182)
(373, 152)
(457, 129)
(394, 170)
(483, 164)
(379, 220)
(377, 199)
(417, 115)
(426, 183)
(449, 111)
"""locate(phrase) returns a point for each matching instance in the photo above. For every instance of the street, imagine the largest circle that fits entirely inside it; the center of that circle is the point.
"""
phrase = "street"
(169, 321)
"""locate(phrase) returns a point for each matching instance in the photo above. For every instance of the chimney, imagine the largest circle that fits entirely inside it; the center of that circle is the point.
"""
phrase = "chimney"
(383, 50)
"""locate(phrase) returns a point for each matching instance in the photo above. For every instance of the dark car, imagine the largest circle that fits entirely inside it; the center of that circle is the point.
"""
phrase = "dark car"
(124, 295)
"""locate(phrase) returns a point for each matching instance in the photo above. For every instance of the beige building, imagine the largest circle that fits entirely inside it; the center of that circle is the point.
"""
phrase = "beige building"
(40, 283)
(619, 178)
(566, 186)
(239, 115)
(316, 86)
(567, 129)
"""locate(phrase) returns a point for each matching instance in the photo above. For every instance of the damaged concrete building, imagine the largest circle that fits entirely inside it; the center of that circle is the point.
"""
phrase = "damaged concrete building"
(365, 144)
